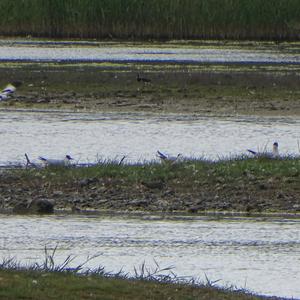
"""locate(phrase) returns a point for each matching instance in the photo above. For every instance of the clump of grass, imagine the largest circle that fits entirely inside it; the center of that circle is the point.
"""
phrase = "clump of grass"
(168, 19)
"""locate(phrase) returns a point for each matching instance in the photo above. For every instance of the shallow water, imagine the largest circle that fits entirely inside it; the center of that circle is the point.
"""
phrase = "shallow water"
(89, 137)
(102, 53)
(262, 255)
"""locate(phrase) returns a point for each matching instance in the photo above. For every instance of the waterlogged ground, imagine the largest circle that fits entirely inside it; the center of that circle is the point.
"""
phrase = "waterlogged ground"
(202, 89)
(257, 254)
(89, 137)
(101, 52)
(204, 99)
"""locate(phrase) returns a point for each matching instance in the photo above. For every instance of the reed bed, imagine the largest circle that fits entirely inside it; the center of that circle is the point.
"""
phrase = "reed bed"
(155, 19)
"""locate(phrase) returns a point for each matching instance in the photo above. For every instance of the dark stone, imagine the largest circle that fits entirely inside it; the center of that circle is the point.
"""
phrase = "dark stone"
(139, 203)
(75, 209)
(41, 206)
(280, 195)
(154, 184)
(262, 186)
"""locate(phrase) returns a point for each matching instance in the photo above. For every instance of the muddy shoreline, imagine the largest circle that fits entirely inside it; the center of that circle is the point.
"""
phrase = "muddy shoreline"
(188, 89)
(173, 190)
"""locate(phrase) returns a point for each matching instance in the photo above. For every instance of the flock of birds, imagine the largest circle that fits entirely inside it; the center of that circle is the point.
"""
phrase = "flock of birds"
(274, 154)
(67, 160)
(9, 90)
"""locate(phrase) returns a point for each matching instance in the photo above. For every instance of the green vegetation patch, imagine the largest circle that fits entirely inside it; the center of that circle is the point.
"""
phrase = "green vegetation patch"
(196, 185)
(196, 89)
(57, 285)
(156, 19)
(186, 172)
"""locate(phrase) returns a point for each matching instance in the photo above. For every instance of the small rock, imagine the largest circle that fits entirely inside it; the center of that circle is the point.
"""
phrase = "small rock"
(58, 193)
(154, 184)
(280, 195)
(41, 100)
(262, 186)
(86, 181)
(41, 206)
(139, 203)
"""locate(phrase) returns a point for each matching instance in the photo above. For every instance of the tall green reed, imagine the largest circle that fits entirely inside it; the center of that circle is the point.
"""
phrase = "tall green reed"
(158, 19)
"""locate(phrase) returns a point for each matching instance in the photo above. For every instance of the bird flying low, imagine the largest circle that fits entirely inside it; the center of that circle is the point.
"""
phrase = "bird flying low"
(56, 162)
(273, 154)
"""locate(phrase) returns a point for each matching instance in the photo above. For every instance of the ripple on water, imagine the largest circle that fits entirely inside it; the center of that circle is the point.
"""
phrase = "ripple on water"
(261, 254)
(144, 54)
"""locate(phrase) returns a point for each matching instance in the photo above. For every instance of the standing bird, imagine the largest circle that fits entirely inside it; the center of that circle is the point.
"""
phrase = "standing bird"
(273, 154)
(56, 162)
(167, 159)
(142, 79)
(9, 90)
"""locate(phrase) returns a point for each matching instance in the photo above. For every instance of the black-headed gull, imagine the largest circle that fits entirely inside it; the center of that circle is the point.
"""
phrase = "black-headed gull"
(9, 90)
(274, 153)
(166, 158)
(56, 162)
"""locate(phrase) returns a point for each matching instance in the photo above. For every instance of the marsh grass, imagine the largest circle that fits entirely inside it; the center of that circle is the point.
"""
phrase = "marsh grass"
(168, 19)
(184, 173)
(48, 280)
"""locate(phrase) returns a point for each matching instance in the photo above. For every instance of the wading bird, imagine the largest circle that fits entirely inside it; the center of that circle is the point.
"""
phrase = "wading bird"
(274, 153)
(56, 162)
(142, 79)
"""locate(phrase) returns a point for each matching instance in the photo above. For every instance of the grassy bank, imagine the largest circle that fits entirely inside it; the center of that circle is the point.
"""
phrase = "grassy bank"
(48, 280)
(54, 285)
(169, 19)
(241, 184)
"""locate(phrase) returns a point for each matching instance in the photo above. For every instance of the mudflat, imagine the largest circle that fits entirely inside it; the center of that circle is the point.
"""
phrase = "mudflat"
(167, 88)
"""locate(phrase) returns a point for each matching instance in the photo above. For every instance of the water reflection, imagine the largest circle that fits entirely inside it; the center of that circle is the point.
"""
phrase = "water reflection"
(261, 255)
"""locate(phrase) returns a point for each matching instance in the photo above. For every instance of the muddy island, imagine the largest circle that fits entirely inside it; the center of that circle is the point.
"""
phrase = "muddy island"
(249, 185)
